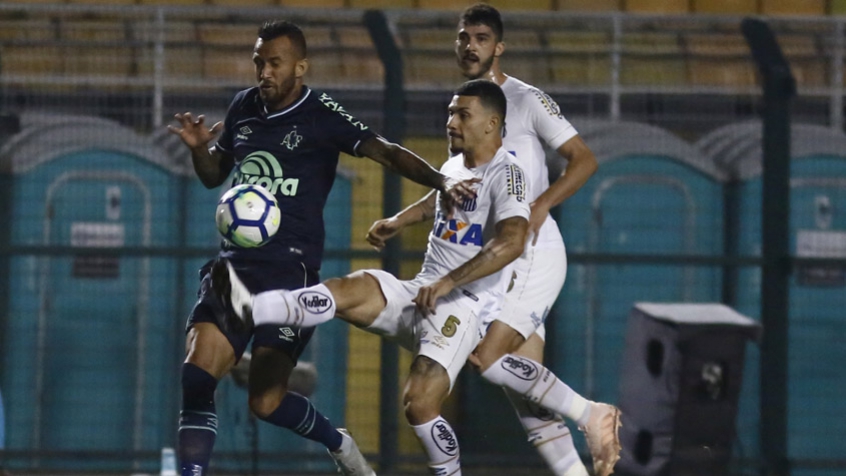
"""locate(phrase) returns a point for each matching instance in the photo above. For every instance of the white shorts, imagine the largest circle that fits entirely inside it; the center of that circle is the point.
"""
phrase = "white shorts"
(538, 276)
(447, 337)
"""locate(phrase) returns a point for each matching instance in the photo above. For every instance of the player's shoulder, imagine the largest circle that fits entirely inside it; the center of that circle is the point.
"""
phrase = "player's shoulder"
(245, 101)
(525, 95)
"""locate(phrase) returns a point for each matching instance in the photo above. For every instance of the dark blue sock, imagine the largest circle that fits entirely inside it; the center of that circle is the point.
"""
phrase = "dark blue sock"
(197, 420)
(298, 415)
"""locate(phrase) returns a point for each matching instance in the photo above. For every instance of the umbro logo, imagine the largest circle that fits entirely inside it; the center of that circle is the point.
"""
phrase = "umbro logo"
(245, 130)
(286, 333)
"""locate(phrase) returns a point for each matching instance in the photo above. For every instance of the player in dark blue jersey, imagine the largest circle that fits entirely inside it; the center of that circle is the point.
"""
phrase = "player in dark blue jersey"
(286, 137)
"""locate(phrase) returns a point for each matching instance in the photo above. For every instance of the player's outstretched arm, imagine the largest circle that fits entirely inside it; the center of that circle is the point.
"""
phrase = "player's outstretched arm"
(506, 246)
(211, 165)
(386, 228)
(412, 166)
(581, 164)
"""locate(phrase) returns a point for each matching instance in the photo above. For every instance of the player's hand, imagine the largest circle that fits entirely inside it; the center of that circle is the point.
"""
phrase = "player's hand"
(536, 219)
(456, 192)
(381, 231)
(194, 132)
(428, 295)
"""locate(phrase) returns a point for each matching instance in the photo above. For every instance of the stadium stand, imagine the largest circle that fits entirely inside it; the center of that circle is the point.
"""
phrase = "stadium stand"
(657, 6)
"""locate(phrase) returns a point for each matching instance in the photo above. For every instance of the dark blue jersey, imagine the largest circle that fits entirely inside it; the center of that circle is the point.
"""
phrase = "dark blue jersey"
(294, 154)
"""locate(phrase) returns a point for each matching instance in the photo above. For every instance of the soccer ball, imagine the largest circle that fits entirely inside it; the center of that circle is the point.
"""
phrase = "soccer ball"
(247, 215)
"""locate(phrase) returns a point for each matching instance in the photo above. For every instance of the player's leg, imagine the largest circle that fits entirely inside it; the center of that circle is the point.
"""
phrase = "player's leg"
(210, 354)
(546, 430)
(356, 298)
(445, 340)
(535, 286)
(276, 350)
(425, 390)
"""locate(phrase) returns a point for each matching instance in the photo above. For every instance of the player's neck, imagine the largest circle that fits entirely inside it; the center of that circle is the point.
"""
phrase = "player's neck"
(494, 74)
(480, 155)
(295, 94)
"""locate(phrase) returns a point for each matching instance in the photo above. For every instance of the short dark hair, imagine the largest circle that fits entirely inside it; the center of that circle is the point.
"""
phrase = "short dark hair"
(275, 28)
(489, 94)
(484, 14)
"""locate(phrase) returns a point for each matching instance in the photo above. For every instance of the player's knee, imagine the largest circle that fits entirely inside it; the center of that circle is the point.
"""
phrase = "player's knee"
(265, 403)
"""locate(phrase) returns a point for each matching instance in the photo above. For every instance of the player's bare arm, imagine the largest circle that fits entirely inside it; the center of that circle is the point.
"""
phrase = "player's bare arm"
(412, 166)
(506, 246)
(386, 228)
(211, 165)
(581, 164)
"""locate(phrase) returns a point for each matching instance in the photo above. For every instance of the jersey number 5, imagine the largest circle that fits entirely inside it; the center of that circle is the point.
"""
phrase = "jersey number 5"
(451, 325)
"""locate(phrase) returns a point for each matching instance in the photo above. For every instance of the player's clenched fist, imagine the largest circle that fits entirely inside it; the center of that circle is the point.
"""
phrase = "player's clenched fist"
(381, 231)
(427, 296)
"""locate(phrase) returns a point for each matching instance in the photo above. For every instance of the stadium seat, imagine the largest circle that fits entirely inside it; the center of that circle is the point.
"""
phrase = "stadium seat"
(234, 67)
(516, 40)
(99, 2)
(232, 35)
(31, 60)
(793, 7)
(318, 37)
(657, 6)
(808, 65)
(727, 7)
(719, 60)
(313, 3)
(354, 37)
(381, 3)
(97, 61)
(837, 7)
(431, 70)
(172, 2)
(652, 58)
(533, 5)
(93, 31)
(325, 68)
(244, 3)
(430, 38)
(26, 30)
(175, 32)
(180, 62)
(588, 5)
(580, 58)
(444, 4)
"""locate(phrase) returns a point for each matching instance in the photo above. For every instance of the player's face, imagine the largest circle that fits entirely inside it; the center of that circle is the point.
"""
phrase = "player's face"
(469, 124)
(475, 49)
(279, 70)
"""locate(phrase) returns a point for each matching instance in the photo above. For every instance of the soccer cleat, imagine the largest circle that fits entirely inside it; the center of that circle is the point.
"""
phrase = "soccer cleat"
(602, 432)
(233, 294)
(349, 459)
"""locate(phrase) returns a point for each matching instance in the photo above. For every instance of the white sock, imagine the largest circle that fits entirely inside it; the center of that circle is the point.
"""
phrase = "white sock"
(441, 445)
(550, 436)
(538, 384)
(305, 307)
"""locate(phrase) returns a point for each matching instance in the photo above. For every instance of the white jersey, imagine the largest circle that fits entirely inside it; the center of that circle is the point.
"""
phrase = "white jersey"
(532, 116)
(501, 194)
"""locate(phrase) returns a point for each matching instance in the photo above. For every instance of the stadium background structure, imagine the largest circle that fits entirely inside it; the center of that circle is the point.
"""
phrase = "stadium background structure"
(669, 102)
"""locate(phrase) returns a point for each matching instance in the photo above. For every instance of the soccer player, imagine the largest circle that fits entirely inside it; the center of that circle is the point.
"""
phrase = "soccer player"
(439, 314)
(287, 137)
(516, 338)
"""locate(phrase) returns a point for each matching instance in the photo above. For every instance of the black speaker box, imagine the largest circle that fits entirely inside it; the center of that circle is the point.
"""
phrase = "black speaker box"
(680, 384)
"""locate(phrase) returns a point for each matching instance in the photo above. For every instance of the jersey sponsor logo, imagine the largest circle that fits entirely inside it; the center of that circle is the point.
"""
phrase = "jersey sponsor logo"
(292, 140)
(548, 103)
(468, 204)
(327, 101)
(515, 182)
(315, 302)
(520, 368)
(262, 168)
(444, 438)
(459, 232)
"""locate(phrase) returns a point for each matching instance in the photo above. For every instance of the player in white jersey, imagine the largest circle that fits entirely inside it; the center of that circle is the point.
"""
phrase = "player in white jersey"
(515, 340)
(438, 315)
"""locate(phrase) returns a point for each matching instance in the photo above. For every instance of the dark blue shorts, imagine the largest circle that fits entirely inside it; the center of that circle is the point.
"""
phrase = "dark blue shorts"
(258, 276)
